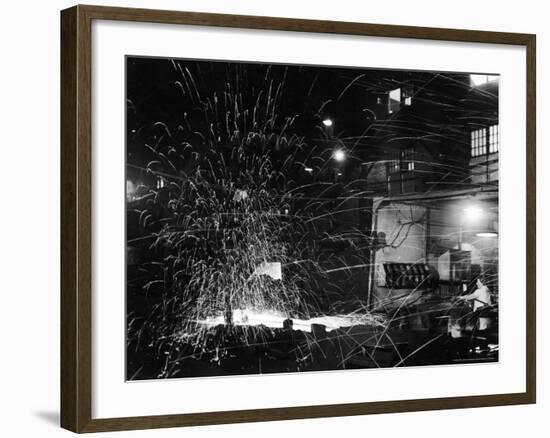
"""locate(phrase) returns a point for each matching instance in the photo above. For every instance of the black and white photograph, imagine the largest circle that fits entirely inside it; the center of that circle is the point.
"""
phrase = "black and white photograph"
(296, 218)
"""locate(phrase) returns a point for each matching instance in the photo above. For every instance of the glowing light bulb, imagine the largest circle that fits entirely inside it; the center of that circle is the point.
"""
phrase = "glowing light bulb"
(327, 123)
(339, 155)
(473, 213)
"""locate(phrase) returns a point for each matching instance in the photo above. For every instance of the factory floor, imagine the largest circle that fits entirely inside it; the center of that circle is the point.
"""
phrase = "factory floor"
(242, 350)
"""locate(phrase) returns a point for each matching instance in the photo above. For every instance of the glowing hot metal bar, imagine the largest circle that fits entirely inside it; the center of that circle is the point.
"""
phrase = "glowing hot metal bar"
(272, 319)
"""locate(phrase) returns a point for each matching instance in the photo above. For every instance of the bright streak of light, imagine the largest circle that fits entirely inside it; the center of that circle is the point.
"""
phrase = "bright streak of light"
(308, 169)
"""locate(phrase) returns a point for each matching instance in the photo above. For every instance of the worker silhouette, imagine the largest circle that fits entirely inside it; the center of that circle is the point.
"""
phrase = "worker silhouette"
(481, 299)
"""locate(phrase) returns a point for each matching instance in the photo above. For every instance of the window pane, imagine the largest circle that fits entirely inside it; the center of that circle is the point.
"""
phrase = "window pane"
(479, 141)
(493, 139)
(394, 100)
(476, 80)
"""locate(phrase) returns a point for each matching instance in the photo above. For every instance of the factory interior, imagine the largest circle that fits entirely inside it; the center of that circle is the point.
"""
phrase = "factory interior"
(288, 218)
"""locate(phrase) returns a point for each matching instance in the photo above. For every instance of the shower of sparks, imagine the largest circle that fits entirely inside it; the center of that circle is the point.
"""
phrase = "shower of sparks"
(244, 210)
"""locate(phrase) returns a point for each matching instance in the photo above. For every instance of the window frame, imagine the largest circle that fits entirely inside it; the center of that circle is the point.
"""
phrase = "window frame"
(485, 141)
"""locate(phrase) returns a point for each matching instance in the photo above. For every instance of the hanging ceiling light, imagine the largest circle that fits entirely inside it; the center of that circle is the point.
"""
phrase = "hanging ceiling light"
(339, 155)
(488, 230)
(473, 213)
(487, 233)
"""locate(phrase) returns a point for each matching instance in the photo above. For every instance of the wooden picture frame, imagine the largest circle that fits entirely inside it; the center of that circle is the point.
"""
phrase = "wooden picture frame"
(76, 218)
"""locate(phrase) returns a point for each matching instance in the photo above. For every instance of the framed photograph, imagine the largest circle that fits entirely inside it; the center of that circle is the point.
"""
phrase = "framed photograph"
(269, 219)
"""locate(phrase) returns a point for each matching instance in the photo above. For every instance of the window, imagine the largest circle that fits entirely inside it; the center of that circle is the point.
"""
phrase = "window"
(398, 97)
(406, 96)
(477, 80)
(484, 141)
(493, 139)
(394, 100)
(479, 142)
(408, 157)
(403, 161)
(394, 166)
